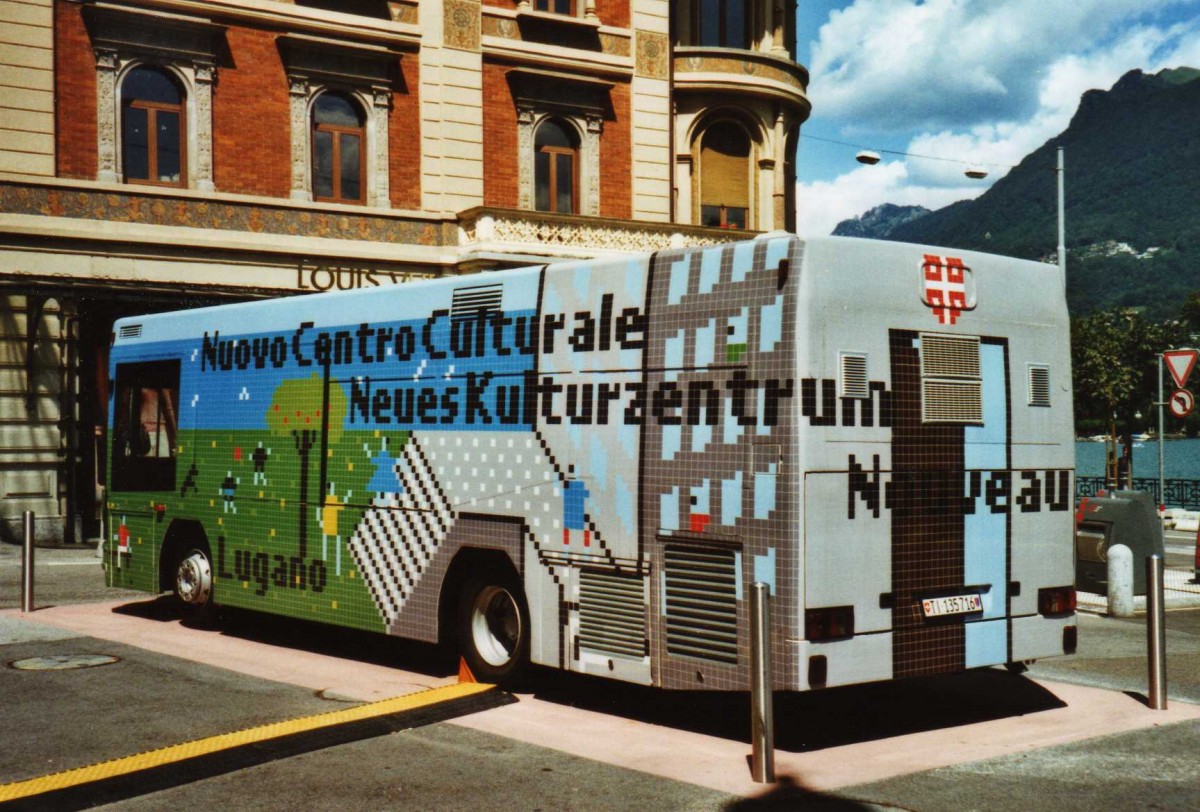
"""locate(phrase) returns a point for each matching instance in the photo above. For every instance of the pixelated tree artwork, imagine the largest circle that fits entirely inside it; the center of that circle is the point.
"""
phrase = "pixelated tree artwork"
(297, 410)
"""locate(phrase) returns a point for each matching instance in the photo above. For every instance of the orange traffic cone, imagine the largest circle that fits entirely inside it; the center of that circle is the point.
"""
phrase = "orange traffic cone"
(464, 672)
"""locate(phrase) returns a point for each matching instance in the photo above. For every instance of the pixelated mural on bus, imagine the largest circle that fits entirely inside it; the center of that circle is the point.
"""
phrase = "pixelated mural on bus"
(329, 457)
(621, 447)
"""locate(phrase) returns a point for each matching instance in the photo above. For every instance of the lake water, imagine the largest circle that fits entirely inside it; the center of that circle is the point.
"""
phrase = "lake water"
(1181, 459)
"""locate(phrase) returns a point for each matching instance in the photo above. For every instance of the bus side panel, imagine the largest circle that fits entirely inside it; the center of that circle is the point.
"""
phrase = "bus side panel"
(721, 488)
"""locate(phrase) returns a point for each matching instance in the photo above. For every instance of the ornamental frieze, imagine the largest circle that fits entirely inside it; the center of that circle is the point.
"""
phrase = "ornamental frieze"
(757, 68)
(403, 12)
(120, 207)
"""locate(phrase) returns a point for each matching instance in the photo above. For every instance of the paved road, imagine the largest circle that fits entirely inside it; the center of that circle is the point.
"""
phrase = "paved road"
(1071, 735)
(1180, 550)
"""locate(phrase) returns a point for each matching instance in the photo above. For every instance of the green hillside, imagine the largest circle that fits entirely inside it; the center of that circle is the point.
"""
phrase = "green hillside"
(1132, 199)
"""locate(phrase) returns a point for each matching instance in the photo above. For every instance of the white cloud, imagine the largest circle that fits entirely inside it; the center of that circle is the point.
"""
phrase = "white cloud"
(954, 63)
(821, 205)
(974, 81)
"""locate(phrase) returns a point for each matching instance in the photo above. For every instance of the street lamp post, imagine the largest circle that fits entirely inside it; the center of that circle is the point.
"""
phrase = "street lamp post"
(1062, 221)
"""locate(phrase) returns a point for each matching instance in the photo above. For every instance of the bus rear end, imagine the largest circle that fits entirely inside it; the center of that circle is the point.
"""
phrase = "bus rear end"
(935, 440)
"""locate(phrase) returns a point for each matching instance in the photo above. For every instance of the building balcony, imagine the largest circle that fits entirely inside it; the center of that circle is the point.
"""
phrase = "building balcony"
(739, 71)
(491, 237)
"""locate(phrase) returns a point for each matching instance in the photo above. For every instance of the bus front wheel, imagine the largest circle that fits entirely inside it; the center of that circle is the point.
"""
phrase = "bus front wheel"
(493, 629)
(194, 588)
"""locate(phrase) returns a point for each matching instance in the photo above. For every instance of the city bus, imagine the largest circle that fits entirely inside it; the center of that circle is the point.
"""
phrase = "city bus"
(587, 465)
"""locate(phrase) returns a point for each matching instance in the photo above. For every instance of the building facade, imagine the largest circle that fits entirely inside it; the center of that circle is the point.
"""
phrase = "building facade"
(159, 154)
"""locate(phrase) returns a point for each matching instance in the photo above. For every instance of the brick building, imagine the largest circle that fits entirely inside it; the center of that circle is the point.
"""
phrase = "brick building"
(157, 154)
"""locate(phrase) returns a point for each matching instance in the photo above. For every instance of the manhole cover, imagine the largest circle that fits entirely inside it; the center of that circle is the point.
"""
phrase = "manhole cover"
(62, 662)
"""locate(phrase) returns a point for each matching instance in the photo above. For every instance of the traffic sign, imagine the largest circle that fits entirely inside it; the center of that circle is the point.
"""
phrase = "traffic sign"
(1180, 364)
(1181, 403)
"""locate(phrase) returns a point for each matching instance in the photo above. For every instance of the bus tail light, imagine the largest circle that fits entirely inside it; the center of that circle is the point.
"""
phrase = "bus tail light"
(1058, 600)
(832, 623)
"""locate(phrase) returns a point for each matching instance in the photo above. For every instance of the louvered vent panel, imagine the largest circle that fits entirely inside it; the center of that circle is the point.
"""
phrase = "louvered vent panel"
(854, 375)
(951, 401)
(612, 613)
(701, 597)
(1039, 386)
(944, 356)
(475, 301)
(131, 330)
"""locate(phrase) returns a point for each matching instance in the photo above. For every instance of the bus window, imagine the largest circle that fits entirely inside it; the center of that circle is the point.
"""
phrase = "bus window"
(145, 425)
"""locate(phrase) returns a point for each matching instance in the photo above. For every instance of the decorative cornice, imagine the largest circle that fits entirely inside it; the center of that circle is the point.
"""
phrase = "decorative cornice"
(398, 31)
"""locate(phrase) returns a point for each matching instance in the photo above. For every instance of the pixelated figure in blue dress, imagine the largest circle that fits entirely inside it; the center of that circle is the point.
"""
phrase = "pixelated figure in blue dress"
(575, 493)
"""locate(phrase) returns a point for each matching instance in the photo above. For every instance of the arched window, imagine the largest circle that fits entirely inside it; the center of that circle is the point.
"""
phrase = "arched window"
(722, 23)
(725, 176)
(556, 168)
(338, 135)
(555, 6)
(152, 128)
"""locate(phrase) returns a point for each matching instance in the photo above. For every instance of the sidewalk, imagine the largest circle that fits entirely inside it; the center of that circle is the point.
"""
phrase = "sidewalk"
(831, 740)
(1178, 593)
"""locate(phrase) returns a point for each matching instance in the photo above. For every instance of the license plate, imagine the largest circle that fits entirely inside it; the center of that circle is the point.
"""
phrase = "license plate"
(954, 605)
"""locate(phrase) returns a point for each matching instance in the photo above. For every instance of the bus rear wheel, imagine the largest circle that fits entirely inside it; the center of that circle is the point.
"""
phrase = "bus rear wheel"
(193, 588)
(493, 629)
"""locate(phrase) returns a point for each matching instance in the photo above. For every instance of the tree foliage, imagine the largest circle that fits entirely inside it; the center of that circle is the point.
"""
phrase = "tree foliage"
(1114, 355)
(1132, 178)
(298, 409)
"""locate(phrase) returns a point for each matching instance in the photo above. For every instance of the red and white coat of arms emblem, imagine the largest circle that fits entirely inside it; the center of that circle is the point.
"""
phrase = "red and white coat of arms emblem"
(948, 287)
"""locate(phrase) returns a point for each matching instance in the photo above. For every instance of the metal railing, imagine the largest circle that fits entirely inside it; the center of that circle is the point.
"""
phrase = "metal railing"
(1183, 493)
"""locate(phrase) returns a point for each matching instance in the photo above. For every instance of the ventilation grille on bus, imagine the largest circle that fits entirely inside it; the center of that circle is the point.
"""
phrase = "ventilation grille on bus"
(952, 402)
(1039, 385)
(612, 613)
(951, 386)
(854, 375)
(701, 599)
(130, 331)
(944, 356)
(475, 301)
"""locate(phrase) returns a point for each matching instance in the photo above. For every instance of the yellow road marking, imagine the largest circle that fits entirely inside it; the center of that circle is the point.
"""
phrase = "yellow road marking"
(213, 744)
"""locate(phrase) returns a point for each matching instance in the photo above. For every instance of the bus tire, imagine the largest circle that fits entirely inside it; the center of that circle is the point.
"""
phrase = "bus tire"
(193, 587)
(493, 629)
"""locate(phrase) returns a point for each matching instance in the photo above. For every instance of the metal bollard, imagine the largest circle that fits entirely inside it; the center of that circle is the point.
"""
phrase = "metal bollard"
(1120, 581)
(1156, 632)
(27, 565)
(762, 711)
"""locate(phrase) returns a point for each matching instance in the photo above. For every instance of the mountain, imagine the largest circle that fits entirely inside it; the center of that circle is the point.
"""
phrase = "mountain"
(880, 221)
(1132, 156)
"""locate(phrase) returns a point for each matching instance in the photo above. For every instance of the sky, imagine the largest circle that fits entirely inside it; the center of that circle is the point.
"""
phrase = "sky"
(963, 82)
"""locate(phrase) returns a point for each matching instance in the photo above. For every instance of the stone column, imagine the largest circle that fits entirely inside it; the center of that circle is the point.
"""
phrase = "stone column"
(298, 98)
(204, 73)
(525, 119)
(684, 205)
(591, 160)
(778, 46)
(106, 115)
(381, 191)
(779, 190)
